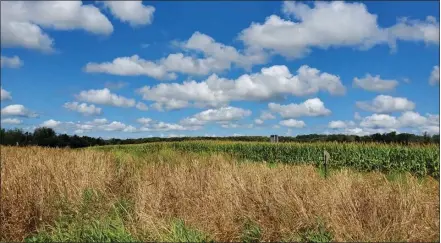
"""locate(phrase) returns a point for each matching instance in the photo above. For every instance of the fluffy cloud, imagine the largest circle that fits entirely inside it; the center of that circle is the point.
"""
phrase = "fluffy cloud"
(17, 110)
(150, 125)
(265, 115)
(83, 108)
(375, 84)
(163, 126)
(414, 119)
(12, 121)
(130, 66)
(144, 120)
(380, 120)
(415, 30)
(11, 62)
(258, 121)
(332, 24)
(117, 126)
(358, 131)
(141, 106)
(384, 123)
(292, 123)
(21, 22)
(98, 121)
(5, 95)
(434, 76)
(226, 116)
(222, 114)
(311, 107)
(408, 119)
(236, 125)
(386, 104)
(192, 121)
(220, 56)
(269, 83)
(130, 129)
(340, 124)
(105, 97)
(50, 123)
(114, 126)
(217, 58)
(171, 104)
(133, 12)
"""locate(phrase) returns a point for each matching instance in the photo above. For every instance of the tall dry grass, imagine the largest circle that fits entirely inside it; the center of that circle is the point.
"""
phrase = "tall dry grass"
(37, 182)
(217, 195)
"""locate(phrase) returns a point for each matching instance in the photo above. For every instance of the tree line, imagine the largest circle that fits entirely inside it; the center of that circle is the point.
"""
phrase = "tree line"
(47, 137)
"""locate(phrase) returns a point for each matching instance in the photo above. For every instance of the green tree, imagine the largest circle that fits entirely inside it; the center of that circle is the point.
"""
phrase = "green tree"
(44, 136)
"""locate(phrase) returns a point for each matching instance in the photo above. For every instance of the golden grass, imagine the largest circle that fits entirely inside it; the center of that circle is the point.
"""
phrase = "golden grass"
(216, 195)
(35, 180)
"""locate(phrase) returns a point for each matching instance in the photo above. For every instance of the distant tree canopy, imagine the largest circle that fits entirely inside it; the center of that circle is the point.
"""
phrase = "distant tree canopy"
(47, 137)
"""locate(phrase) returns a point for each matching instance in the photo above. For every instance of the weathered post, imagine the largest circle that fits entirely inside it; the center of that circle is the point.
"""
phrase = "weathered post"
(326, 158)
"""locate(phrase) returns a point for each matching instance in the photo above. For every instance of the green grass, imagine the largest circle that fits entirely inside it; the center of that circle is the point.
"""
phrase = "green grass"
(92, 222)
(318, 233)
(251, 232)
(180, 232)
(418, 160)
(83, 230)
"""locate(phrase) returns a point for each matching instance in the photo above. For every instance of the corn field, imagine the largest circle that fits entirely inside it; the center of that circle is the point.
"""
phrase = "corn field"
(419, 160)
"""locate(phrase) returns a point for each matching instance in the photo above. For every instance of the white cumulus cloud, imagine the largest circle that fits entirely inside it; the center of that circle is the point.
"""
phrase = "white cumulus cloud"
(50, 123)
(226, 116)
(311, 107)
(17, 110)
(130, 66)
(105, 97)
(5, 95)
(258, 121)
(269, 83)
(375, 83)
(265, 115)
(22, 22)
(12, 121)
(408, 119)
(83, 108)
(11, 62)
(337, 124)
(217, 58)
(332, 24)
(141, 106)
(434, 76)
(292, 123)
(386, 104)
(133, 12)
(144, 120)
(222, 114)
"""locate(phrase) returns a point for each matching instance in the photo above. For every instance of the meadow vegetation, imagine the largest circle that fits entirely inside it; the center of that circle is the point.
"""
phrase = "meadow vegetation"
(178, 193)
(419, 160)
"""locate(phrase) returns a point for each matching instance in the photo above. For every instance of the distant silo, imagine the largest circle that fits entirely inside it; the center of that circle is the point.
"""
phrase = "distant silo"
(274, 139)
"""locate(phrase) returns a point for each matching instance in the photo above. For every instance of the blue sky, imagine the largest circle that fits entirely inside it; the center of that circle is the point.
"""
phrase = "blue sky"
(139, 69)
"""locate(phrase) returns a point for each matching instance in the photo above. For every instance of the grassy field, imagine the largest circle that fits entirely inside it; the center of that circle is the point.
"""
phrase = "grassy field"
(419, 160)
(211, 191)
